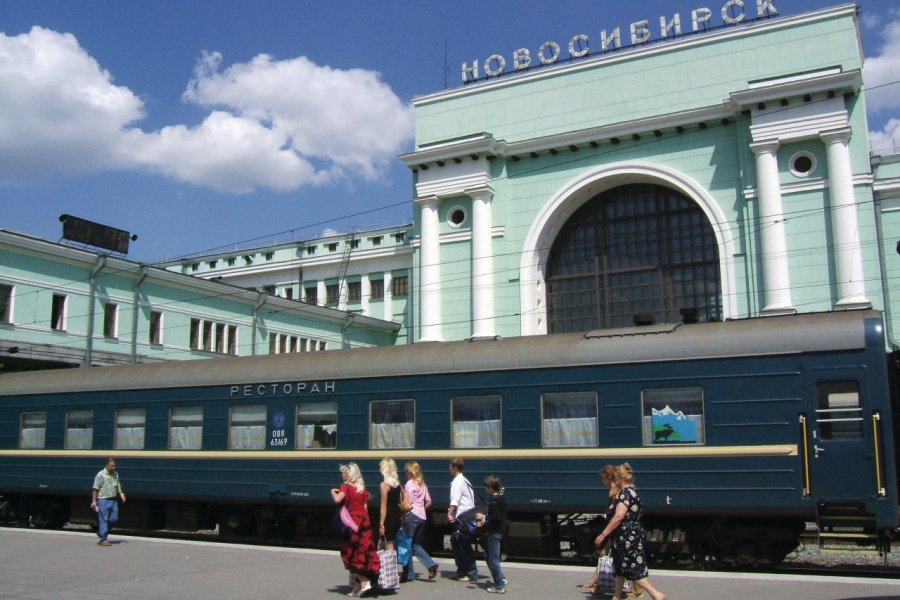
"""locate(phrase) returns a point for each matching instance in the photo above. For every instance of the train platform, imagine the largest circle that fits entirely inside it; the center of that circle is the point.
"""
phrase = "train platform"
(60, 565)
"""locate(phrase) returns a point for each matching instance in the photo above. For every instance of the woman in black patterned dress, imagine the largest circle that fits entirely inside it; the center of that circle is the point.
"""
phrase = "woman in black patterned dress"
(628, 550)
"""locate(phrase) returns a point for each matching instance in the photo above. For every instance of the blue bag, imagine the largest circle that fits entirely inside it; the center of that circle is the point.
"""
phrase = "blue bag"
(404, 548)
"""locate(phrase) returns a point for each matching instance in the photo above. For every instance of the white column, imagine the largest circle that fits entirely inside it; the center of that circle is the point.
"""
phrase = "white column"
(365, 290)
(430, 271)
(388, 283)
(847, 248)
(482, 263)
(776, 277)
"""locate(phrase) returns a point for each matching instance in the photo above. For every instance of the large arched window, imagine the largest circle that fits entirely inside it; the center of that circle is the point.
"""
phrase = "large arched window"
(634, 254)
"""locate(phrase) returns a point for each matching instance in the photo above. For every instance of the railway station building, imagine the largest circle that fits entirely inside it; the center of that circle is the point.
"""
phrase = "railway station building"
(681, 168)
(63, 306)
(691, 167)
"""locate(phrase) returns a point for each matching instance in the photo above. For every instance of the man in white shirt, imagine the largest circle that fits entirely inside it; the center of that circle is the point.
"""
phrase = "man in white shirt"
(462, 498)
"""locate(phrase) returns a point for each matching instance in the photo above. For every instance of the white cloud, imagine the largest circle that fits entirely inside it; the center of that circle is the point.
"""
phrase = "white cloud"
(348, 118)
(886, 141)
(61, 112)
(272, 124)
(882, 72)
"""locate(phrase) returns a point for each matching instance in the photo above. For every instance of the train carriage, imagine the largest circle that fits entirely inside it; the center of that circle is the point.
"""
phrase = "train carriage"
(739, 433)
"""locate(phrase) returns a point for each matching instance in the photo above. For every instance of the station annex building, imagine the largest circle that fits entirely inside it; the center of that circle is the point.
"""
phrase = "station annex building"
(663, 175)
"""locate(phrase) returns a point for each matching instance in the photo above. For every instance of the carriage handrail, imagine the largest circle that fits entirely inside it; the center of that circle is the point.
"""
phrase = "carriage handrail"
(806, 485)
(879, 489)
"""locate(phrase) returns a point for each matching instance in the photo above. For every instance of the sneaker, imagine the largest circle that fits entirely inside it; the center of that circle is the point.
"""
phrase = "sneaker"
(464, 577)
(496, 590)
(432, 572)
(364, 590)
(104, 543)
(505, 581)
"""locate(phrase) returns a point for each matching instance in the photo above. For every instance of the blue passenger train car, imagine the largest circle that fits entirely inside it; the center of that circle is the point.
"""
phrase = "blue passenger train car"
(739, 433)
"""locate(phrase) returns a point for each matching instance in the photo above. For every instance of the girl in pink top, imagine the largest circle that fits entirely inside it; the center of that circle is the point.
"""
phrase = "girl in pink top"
(417, 493)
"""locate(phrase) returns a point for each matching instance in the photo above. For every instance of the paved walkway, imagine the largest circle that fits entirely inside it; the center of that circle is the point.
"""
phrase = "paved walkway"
(45, 565)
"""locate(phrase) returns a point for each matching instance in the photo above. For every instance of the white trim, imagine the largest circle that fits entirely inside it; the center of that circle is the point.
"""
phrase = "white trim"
(548, 222)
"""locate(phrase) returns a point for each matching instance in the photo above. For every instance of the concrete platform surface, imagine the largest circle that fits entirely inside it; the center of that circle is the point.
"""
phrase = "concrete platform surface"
(45, 565)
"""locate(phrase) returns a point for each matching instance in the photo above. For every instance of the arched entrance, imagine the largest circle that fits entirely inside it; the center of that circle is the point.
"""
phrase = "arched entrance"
(633, 254)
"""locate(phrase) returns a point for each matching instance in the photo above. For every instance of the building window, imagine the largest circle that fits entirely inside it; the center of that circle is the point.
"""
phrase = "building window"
(58, 313)
(6, 295)
(232, 339)
(400, 286)
(456, 217)
(79, 429)
(569, 420)
(220, 338)
(195, 267)
(317, 425)
(231, 261)
(331, 293)
(802, 164)
(673, 417)
(399, 237)
(270, 255)
(311, 295)
(476, 422)
(634, 254)
(323, 345)
(247, 427)
(392, 424)
(376, 241)
(310, 250)
(838, 412)
(289, 293)
(377, 287)
(354, 291)
(33, 430)
(186, 428)
(156, 327)
(332, 247)
(110, 320)
(195, 334)
(354, 244)
(212, 264)
(131, 424)
(207, 335)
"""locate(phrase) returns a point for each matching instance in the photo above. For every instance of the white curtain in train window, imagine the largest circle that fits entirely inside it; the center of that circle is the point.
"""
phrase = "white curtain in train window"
(248, 427)
(392, 424)
(570, 420)
(130, 428)
(34, 430)
(476, 422)
(186, 428)
(317, 425)
(79, 429)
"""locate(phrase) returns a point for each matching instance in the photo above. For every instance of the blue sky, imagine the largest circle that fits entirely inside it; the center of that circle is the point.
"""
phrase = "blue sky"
(204, 126)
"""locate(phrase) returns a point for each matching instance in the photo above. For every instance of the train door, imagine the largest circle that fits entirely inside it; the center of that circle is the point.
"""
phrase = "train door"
(841, 462)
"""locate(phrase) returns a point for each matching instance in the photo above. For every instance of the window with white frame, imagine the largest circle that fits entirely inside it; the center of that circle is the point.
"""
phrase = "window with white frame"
(247, 427)
(476, 422)
(131, 424)
(232, 339)
(316, 425)
(569, 420)
(6, 296)
(79, 429)
(392, 424)
(156, 327)
(58, 312)
(32, 430)
(110, 320)
(186, 428)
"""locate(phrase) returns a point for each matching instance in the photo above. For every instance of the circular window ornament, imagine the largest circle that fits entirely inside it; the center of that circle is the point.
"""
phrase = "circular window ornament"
(803, 164)
(457, 216)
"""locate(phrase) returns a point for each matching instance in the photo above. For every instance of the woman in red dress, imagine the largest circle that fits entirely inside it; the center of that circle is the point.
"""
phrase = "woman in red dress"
(358, 550)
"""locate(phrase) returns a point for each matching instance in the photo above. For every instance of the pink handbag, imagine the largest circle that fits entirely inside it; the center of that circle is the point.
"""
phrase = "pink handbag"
(347, 520)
